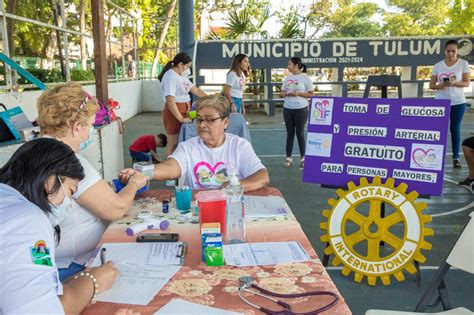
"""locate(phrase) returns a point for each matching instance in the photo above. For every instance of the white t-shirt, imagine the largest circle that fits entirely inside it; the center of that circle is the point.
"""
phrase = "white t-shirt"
(81, 231)
(454, 73)
(175, 85)
(26, 237)
(209, 168)
(236, 84)
(296, 83)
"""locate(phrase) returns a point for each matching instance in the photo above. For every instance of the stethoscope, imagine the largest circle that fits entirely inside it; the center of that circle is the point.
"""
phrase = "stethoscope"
(247, 282)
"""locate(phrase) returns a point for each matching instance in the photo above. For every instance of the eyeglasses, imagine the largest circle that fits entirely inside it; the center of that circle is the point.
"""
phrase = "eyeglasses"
(207, 121)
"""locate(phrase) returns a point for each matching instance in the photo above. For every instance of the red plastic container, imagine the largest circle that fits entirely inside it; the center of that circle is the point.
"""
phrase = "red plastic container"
(212, 207)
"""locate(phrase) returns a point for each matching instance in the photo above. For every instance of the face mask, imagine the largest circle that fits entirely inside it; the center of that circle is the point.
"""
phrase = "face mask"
(84, 144)
(186, 73)
(59, 213)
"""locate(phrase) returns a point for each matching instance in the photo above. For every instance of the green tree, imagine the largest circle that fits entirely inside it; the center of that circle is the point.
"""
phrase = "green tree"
(292, 23)
(351, 19)
(417, 17)
(461, 15)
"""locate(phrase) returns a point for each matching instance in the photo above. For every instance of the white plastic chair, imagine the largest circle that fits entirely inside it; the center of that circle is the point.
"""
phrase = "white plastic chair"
(461, 257)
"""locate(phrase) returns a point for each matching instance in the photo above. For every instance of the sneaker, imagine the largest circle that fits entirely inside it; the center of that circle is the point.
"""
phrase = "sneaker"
(302, 164)
(288, 162)
(467, 182)
(457, 163)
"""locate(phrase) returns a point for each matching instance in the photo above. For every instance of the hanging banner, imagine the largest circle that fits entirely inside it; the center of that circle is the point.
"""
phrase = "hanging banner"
(405, 139)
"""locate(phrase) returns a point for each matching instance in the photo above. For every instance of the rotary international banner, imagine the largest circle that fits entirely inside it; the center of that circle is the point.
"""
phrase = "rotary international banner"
(405, 139)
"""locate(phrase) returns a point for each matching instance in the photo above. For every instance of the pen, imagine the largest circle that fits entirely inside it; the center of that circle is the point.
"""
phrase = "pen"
(102, 256)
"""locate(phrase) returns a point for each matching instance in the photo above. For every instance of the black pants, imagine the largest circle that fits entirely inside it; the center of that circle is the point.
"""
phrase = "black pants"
(295, 120)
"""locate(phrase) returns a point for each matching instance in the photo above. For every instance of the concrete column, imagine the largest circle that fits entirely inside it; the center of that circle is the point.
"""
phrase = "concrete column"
(186, 26)
(337, 75)
(409, 89)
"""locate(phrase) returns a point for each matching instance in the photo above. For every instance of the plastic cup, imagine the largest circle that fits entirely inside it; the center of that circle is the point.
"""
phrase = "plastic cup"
(183, 199)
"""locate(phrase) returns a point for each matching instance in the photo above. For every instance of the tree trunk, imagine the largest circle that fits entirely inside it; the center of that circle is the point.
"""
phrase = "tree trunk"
(82, 29)
(49, 50)
(10, 26)
(164, 31)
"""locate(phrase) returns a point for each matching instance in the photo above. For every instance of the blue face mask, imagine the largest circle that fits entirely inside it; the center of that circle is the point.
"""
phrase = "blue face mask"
(84, 144)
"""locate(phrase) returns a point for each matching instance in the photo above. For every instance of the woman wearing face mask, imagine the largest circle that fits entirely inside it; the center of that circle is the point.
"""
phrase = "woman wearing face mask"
(36, 182)
(235, 83)
(175, 87)
(67, 114)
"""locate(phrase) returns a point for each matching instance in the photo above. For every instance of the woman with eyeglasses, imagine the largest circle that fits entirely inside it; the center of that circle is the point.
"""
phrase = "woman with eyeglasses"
(38, 181)
(449, 78)
(209, 159)
(176, 87)
(66, 113)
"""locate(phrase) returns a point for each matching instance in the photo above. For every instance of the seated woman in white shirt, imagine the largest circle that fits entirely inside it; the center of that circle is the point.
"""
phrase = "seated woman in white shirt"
(67, 114)
(209, 159)
(39, 180)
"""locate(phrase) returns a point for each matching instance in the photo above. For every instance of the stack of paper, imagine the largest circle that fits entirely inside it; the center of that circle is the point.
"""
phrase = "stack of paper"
(180, 307)
(265, 206)
(145, 268)
(261, 254)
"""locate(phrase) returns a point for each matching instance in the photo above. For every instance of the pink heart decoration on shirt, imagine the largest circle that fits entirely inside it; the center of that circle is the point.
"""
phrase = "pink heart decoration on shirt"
(206, 174)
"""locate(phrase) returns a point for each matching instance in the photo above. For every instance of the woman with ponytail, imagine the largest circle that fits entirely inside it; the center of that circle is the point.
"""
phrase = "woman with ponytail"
(235, 83)
(296, 89)
(175, 87)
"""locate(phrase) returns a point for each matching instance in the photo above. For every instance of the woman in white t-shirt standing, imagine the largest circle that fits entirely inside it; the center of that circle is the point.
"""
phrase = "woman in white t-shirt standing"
(175, 87)
(296, 89)
(449, 78)
(235, 83)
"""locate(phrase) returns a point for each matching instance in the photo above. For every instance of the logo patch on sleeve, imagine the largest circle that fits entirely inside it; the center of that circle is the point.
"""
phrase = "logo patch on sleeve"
(40, 254)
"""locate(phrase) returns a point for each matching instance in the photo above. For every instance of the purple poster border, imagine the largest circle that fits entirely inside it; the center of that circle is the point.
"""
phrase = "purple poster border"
(349, 138)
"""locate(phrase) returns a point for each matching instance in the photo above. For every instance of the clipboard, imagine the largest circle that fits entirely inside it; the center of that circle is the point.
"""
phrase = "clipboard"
(182, 251)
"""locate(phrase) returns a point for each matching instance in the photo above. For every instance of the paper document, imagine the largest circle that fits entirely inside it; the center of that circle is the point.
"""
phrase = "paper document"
(180, 307)
(261, 254)
(264, 206)
(142, 253)
(145, 268)
(137, 284)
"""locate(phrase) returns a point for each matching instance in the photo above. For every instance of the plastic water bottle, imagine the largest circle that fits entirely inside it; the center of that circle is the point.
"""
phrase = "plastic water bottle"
(235, 231)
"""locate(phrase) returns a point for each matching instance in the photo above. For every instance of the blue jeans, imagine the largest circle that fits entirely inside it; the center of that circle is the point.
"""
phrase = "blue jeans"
(73, 268)
(238, 104)
(457, 112)
(139, 156)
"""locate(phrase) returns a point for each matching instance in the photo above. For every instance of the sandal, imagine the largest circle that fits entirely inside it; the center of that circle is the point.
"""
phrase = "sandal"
(288, 162)
(302, 163)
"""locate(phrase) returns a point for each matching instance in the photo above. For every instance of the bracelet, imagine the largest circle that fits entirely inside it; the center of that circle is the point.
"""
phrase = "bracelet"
(94, 282)
(135, 183)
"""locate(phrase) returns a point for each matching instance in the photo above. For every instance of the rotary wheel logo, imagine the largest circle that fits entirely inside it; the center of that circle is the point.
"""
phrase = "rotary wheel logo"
(356, 229)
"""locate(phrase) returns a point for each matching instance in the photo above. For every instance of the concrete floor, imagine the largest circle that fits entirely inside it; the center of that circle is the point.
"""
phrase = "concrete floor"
(308, 200)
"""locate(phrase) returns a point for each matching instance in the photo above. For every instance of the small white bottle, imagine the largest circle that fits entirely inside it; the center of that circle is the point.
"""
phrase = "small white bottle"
(235, 229)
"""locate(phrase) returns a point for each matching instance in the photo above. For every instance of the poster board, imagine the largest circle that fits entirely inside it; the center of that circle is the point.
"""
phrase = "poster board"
(405, 139)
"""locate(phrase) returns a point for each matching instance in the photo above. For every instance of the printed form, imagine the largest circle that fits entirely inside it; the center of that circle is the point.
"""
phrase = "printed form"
(265, 206)
(261, 254)
(145, 268)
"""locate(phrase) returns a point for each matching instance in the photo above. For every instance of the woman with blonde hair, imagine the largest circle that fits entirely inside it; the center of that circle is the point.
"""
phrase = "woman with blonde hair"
(67, 113)
(208, 159)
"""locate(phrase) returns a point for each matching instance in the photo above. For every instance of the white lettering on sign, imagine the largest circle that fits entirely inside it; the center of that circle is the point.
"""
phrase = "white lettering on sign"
(415, 176)
(423, 111)
(372, 151)
(347, 50)
(332, 168)
(366, 131)
(355, 108)
(366, 171)
(412, 134)
(336, 128)
(383, 109)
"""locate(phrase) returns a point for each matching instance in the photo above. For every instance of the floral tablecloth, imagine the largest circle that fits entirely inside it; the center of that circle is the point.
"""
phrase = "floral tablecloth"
(217, 286)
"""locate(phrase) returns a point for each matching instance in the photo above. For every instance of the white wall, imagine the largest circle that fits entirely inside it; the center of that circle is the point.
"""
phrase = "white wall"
(128, 94)
(152, 96)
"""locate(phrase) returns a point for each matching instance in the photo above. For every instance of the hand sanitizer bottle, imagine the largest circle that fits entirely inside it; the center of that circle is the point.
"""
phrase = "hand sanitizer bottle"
(235, 230)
